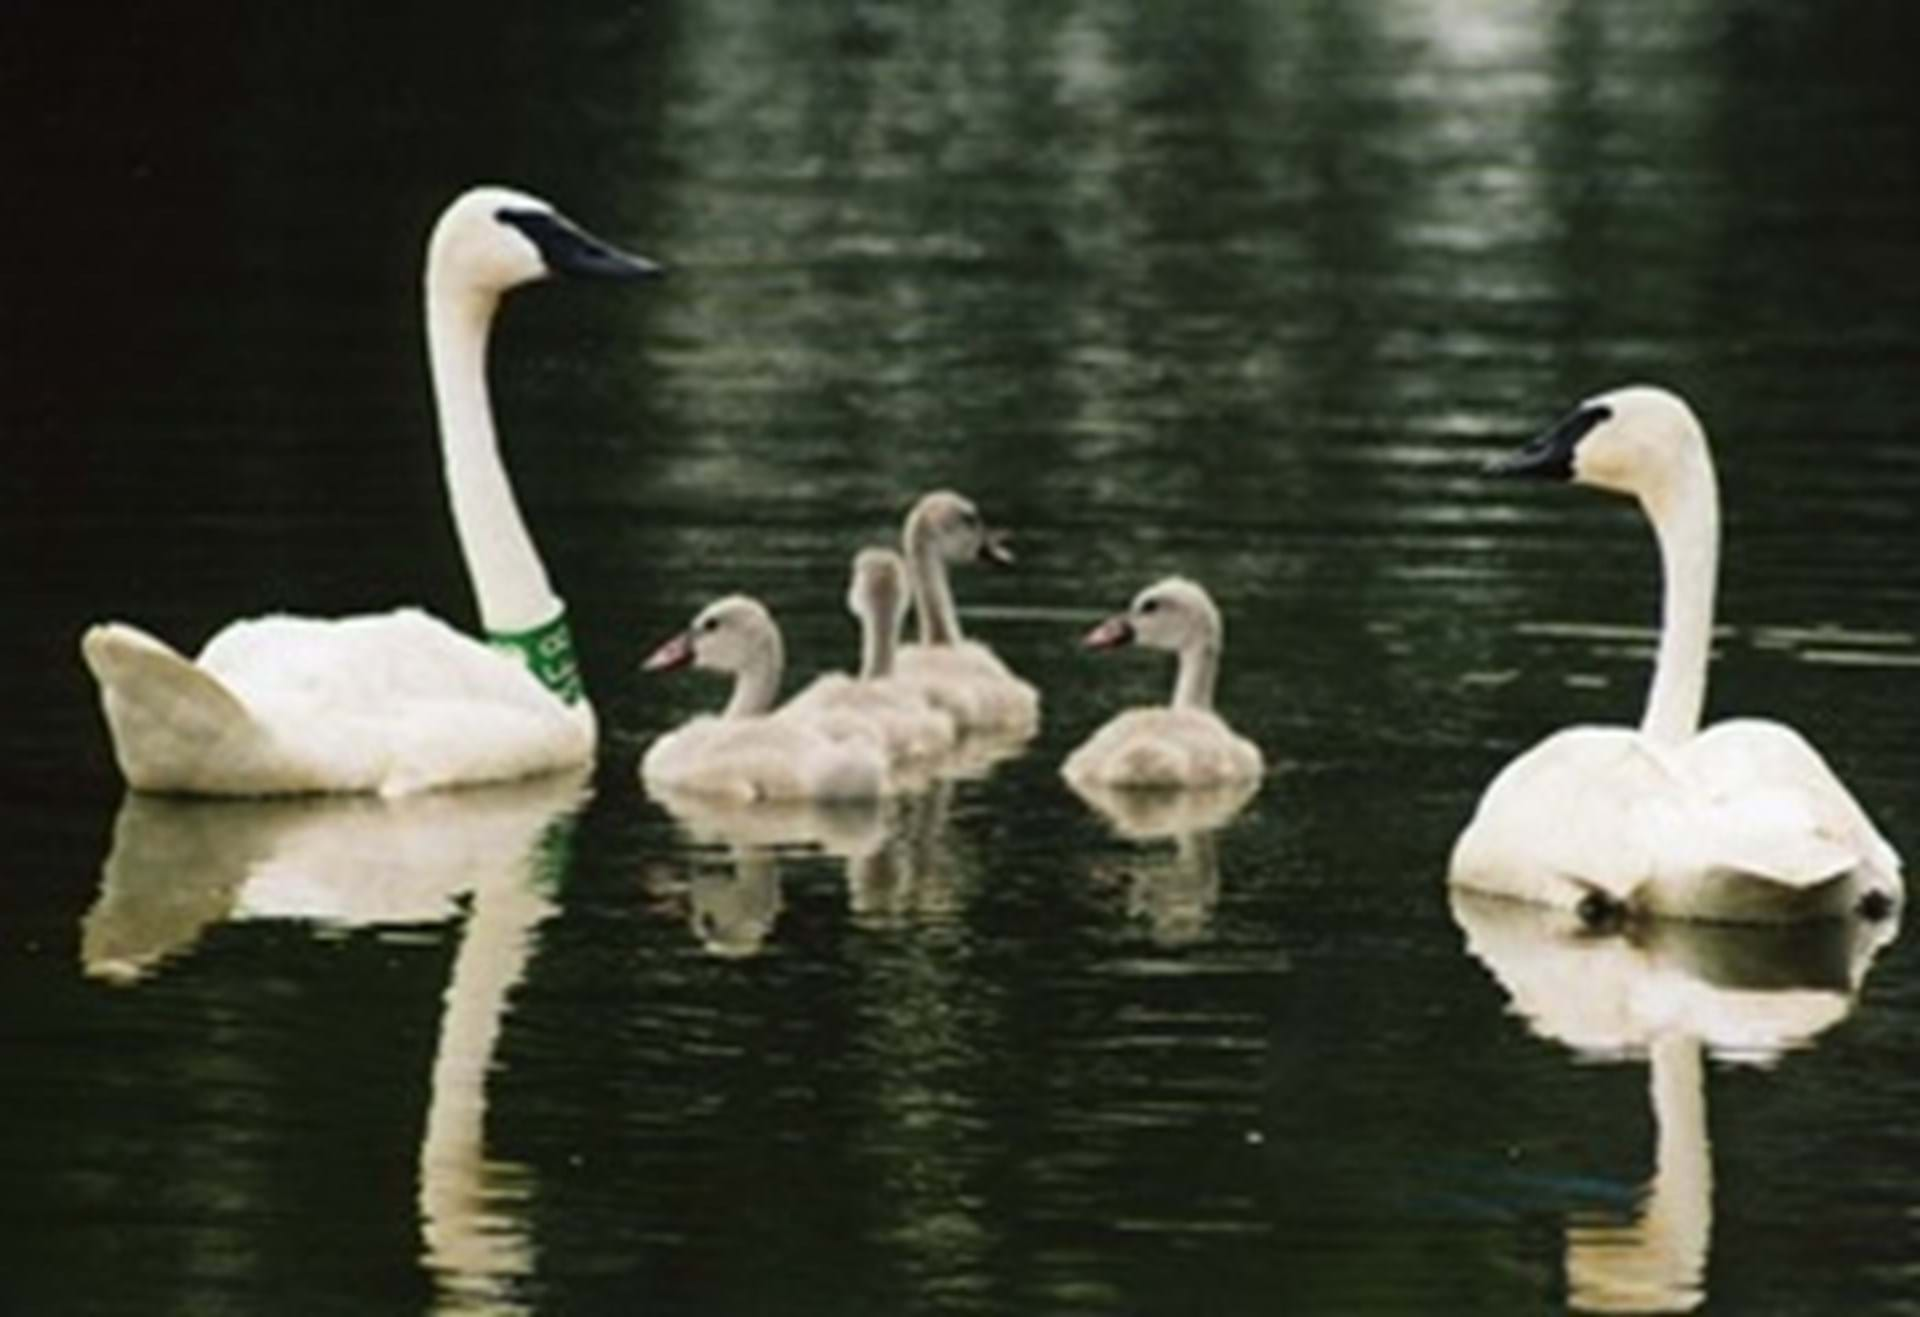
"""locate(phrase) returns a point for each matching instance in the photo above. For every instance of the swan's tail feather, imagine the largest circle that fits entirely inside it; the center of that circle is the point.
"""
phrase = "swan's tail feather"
(171, 721)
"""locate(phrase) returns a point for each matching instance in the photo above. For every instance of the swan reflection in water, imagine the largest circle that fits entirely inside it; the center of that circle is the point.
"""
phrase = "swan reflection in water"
(1672, 993)
(1174, 894)
(178, 866)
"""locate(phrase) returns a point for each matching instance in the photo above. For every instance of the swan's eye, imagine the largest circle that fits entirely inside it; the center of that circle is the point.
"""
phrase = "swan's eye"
(1150, 606)
(711, 624)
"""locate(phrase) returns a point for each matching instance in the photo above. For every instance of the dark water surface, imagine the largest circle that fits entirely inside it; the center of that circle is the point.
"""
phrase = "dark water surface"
(1243, 290)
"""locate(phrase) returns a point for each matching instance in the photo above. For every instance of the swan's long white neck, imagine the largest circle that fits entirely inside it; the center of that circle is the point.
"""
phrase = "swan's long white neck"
(756, 684)
(1685, 512)
(1199, 671)
(939, 622)
(509, 583)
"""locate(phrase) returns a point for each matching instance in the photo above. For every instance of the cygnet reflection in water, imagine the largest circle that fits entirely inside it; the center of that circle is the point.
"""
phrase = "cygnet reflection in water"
(1174, 894)
(732, 901)
(1672, 993)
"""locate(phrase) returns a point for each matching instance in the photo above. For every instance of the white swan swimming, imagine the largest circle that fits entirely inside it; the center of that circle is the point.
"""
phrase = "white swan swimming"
(1182, 744)
(1743, 821)
(748, 751)
(395, 702)
(962, 676)
(909, 724)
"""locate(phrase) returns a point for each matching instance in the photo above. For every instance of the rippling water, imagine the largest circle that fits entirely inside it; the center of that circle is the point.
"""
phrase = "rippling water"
(1246, 290)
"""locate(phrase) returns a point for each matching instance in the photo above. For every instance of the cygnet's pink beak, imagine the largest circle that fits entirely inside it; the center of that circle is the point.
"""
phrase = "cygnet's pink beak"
(1114, 633)
(676, 653)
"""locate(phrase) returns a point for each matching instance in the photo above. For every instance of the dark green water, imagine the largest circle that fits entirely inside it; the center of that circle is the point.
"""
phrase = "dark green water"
(1243, 290)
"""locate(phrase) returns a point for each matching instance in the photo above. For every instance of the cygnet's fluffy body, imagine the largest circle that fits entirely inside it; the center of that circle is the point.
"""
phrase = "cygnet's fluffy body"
(1184, 743)
(963, 677)
(747, 752)
(876, 700)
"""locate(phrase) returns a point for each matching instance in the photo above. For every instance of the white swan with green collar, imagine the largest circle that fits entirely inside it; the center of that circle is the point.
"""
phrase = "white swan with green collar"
(1742, 822)
(394, 702)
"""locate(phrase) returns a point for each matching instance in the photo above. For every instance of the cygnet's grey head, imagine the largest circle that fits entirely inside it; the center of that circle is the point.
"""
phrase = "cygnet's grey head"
(951, 525)
(729, 635)
(1172, 614)
(492, 239)
(878, 589)
(1635, 440)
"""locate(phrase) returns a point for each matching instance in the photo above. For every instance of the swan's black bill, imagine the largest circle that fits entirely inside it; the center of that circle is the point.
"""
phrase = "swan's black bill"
(575, 252)
(995, 549)
(1550, 456)
(1114, 633)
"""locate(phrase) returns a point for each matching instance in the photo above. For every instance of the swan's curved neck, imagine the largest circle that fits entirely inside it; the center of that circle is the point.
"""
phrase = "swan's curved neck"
(932, 595)
(756, 684)
(1199, 670)
(878, 641)
(1686, 520)
(509, 583)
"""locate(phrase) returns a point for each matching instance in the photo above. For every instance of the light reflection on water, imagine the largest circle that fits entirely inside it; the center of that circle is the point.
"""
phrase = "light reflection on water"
(1247, 291)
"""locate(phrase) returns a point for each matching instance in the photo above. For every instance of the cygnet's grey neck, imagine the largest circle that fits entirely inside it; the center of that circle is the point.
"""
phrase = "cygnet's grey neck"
(756, 683)
(1199, 671)
(1686, 520)
(878, 640)
(932, 595)
(509, 582)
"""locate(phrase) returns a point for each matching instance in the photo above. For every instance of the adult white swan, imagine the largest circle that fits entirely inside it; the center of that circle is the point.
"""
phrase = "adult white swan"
(1741, 822)
(400, 701)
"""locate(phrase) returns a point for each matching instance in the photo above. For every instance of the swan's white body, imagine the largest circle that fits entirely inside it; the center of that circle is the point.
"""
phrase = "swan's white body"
(876, 701)
(1741, 822)
(963, 677)
(1184, 744)
(395, 702)
(748, 752)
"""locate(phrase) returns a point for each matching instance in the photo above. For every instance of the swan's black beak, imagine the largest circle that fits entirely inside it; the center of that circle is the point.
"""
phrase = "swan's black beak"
(570, 250)
(1550, 455)
(994, 548)
(1114, 633)
(676, 653)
